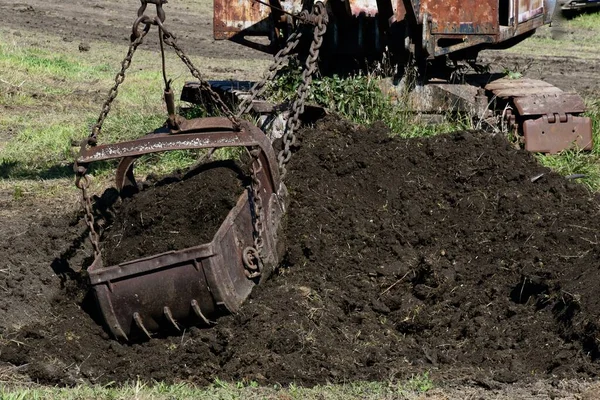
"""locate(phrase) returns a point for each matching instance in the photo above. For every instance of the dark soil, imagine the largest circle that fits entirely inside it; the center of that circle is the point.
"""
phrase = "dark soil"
(176, 213)
(436, 254)
(89, 21)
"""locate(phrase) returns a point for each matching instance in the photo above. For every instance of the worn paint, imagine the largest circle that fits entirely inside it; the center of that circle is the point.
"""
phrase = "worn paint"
(367, 7)
(462, 16)
(471, 22)
(529, 9)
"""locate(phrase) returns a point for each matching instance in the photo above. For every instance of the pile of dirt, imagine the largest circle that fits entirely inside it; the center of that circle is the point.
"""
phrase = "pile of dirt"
(437, 254)
(175, 213)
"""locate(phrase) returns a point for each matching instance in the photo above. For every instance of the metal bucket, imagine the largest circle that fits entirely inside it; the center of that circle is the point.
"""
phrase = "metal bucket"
(170, 291)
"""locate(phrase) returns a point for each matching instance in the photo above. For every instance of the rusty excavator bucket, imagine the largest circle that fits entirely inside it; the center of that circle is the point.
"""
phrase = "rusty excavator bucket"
(192, 286)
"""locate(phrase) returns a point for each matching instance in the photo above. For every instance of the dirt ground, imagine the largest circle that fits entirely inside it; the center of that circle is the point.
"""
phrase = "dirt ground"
(179, 212)
(407, 256)
(432, 255)
(109, 20)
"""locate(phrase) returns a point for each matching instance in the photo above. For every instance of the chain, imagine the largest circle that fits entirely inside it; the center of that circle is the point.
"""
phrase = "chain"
(293, 122)
(171, 40)
(137, 39)
(83, 182)
(259, 87)
(253, 256)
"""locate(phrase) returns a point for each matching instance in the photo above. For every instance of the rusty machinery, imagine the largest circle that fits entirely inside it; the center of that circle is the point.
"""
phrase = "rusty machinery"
(193, 286)
(433, 35)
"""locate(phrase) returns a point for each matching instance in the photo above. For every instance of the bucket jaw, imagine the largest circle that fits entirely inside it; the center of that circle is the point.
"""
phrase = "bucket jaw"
(170, 291)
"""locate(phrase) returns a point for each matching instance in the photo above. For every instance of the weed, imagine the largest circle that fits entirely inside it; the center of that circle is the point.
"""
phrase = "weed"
(588, 21)
(420, 383)
(18, 192)
(360, 99)
(572, 162)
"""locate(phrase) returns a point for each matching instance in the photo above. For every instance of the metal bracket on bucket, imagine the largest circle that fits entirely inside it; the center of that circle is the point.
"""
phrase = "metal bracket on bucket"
(193, 286)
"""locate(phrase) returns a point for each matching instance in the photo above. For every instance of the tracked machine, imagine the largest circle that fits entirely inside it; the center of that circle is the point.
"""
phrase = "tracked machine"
(170, 291)
(435, 38)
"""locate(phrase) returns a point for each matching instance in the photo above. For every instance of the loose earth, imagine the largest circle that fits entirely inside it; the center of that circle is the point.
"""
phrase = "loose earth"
(403, 256)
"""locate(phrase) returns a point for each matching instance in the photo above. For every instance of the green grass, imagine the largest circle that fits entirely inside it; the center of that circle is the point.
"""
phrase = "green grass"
(582, 39)
(590, 21)
(50, 97)
(42, 145)
(360, 99)
(580, 162)
(411, 389)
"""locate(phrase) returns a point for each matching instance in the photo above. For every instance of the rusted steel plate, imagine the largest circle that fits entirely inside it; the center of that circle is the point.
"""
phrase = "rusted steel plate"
(151, 263)
(154, 143)
(552, 137)
(506, 83)
(467, 17)
(249, 17)
(230, 17)
(506, 93)
(506, 88)
(367, 7)
(550, 104)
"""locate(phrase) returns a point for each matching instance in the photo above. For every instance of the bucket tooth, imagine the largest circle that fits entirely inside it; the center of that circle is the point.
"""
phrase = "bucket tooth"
(169, 316)
(197, 311)
(140, 324)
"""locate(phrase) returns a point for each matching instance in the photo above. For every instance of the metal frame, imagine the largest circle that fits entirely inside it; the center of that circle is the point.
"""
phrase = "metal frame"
(192, 286)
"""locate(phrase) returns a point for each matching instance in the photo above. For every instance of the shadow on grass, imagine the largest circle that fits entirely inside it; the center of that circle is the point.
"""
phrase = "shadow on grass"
(22, 171)
(590, 8)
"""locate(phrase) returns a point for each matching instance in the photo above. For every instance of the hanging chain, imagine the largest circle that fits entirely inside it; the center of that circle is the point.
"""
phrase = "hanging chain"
(171, 40)
(279, 61)
(253, 256)
(293, 122)
(119, 78)
(82, 180)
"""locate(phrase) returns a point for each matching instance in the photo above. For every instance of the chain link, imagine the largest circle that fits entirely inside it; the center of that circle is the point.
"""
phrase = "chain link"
(293, 122)
(119, 78)
(279, 61)
(83, 182)
(253, 256)
(171, 40)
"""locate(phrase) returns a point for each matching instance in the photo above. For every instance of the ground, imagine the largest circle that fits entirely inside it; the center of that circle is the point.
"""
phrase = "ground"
(49, 337)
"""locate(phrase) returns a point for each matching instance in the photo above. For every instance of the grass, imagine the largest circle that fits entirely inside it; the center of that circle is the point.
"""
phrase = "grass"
(580, 162)
(582, 40)
(50, 96)
(590, 21)
(361, 100)
(410, 389)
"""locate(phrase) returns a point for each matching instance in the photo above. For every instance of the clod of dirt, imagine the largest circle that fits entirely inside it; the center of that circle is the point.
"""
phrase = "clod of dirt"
(404, 256)
(173, 214)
